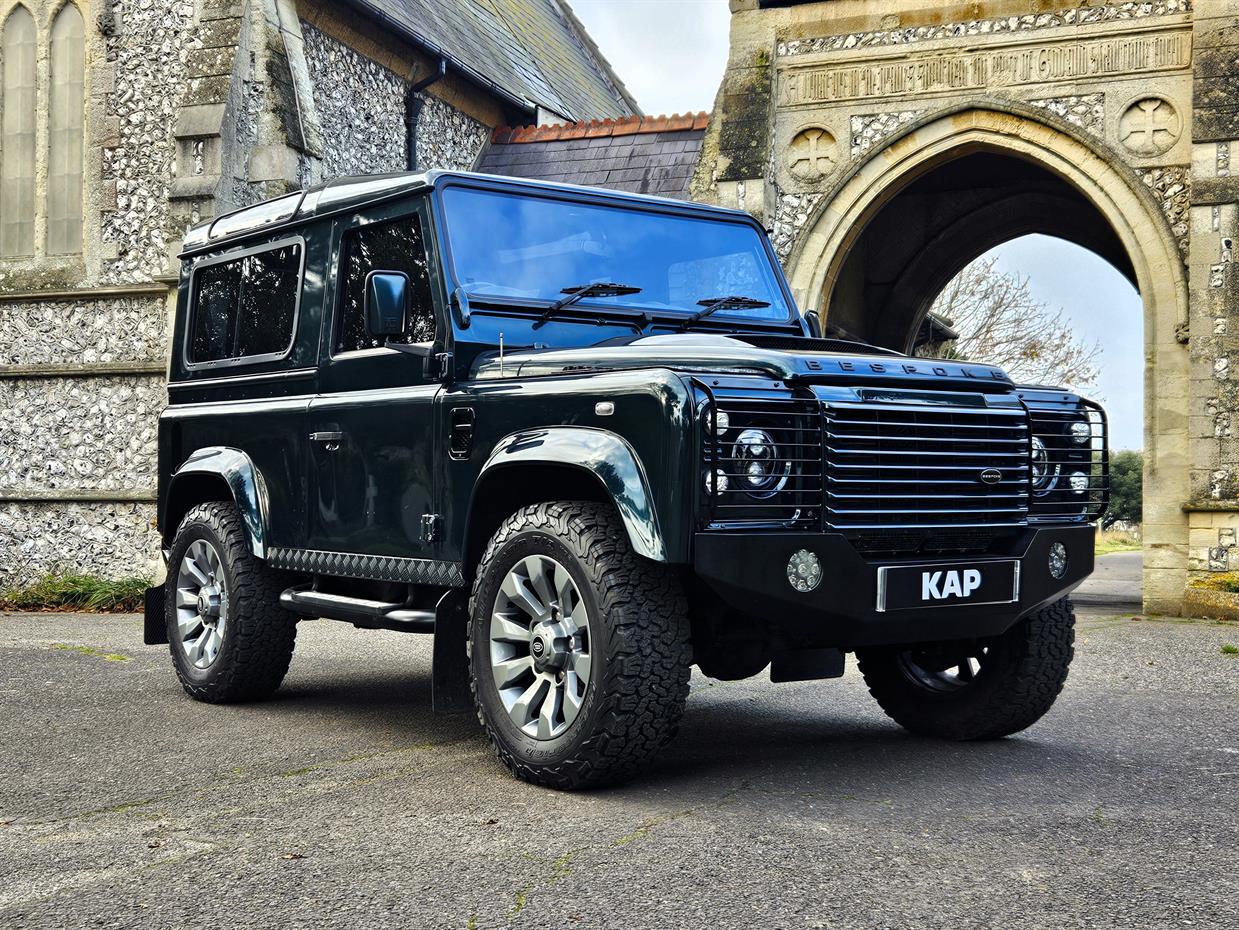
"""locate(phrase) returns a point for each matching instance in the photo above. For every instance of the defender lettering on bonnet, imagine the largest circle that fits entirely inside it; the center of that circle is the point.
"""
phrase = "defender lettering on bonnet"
(405, 406)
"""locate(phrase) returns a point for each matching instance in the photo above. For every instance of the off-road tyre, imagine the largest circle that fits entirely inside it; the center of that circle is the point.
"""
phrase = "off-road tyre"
(1019, 681)
(258, 643)
(641, 657)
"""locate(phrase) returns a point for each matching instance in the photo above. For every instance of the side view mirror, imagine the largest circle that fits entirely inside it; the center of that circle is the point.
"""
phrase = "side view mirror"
(387, 303)
(814, 323)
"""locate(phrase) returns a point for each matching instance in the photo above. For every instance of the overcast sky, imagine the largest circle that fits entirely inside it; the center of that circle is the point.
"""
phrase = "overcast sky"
(671, 55)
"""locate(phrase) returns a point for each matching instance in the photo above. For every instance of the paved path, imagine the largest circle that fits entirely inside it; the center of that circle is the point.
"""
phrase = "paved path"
(345, 804)
(1115, 584)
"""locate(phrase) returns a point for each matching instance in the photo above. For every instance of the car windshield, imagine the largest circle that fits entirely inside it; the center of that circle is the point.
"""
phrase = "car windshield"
(507, 245)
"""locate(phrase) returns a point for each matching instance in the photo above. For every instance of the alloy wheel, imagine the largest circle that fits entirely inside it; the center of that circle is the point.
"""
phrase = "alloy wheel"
(540, 647)
(201, 603)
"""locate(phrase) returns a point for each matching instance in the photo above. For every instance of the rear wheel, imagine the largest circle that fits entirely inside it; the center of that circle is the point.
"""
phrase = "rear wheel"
(984, 689)
(229, 637)
(579, 654)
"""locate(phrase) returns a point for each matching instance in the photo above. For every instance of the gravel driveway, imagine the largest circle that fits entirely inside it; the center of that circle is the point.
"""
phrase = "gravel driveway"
(344, 803)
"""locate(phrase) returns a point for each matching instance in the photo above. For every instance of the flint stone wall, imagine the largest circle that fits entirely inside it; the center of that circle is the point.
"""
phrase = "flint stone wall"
(80, 433)
(87, 331)
(148, 50)
(361, 108)
(108, 539)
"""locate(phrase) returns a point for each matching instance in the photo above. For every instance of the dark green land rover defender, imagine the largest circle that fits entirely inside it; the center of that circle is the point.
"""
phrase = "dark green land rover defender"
(586, 440)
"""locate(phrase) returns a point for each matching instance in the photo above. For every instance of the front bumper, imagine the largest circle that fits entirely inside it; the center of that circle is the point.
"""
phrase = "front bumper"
(748, 570)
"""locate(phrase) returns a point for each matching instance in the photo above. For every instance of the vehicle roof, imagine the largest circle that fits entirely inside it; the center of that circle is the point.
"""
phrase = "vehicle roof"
(352, 193)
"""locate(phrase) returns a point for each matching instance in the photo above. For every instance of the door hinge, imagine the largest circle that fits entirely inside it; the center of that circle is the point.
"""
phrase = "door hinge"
(430, 527)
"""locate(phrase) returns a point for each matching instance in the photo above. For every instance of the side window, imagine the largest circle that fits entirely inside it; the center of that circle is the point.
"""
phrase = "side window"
(245, 307)
(394, 246)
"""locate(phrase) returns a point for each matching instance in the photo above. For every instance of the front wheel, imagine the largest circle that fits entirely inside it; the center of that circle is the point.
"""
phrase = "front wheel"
(984, 689)
(579, 656)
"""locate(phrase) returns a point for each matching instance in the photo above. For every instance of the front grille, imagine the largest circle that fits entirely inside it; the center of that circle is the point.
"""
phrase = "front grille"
(922, 465)
(926, 542)
(792, 431)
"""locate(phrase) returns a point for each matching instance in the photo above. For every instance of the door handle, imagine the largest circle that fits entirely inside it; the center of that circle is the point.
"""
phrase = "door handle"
(331, 439)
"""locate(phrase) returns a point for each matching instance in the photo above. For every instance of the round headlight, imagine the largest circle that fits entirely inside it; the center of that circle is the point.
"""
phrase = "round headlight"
(1058, 560)
(1081, 432)
(1044, 473)
(757, 460)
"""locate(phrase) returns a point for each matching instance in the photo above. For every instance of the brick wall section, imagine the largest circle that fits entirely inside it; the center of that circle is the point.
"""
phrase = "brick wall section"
(644, 155)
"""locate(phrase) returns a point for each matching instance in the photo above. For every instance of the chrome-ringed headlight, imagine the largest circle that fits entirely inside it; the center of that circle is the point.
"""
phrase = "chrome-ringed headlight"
(1044, 474)
(762, 472)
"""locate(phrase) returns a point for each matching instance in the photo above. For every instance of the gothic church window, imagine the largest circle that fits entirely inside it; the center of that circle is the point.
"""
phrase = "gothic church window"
(18, 48)
(42, 115)
(66, 105)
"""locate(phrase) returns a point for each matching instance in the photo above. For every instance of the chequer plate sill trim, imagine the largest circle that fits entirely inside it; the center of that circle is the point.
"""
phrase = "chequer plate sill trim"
(375, 567)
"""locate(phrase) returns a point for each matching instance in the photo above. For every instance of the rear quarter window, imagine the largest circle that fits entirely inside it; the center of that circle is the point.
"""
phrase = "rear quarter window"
(246, 307)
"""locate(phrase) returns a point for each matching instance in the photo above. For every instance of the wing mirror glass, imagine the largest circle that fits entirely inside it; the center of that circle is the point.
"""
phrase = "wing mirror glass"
(387, 303)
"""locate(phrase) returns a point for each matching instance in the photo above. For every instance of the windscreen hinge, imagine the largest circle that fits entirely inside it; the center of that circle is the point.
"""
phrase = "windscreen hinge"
(443, 366)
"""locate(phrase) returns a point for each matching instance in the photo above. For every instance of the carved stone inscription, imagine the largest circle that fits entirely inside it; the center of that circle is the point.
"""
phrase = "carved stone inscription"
(1004, 66)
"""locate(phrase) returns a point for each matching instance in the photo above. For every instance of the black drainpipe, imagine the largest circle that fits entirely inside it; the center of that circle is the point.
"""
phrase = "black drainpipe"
(413, 110)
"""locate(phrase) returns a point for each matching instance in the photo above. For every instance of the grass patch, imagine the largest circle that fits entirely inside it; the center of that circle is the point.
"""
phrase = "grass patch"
(1117, 541)
(1222, 581)
(66, 591)
(1230, 649)
(92, 652)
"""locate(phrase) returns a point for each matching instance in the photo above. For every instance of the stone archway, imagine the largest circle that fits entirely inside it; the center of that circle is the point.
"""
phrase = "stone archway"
(1135, 236)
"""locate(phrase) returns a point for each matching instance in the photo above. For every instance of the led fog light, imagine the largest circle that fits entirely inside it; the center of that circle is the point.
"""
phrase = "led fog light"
(719, 420)
(1058, 560)
(1079, 482)
(804, 571)
(716, 482)
(1081, 432)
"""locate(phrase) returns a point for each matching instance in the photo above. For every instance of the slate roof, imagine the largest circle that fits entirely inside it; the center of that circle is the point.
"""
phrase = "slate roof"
(642, 155)
(535, 50)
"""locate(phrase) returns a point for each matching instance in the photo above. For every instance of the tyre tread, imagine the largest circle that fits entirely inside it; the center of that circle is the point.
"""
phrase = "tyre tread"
(1032, 673)
(646, 644)
(264, 634)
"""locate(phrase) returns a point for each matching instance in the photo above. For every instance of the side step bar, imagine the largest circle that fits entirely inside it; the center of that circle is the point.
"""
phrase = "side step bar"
(375, 615)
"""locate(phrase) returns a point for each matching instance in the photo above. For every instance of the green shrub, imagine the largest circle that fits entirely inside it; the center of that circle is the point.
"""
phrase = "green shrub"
(69, 591)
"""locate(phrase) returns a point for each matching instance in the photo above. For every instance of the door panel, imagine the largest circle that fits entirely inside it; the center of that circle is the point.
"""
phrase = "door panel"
(371, 432)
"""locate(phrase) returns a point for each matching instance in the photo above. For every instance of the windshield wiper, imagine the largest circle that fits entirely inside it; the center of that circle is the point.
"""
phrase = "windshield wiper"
(574, 294)
(723, 303)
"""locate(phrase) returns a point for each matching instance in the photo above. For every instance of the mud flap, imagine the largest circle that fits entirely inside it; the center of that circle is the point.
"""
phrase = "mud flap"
(806, 665)
(154, 625)
(450, 669)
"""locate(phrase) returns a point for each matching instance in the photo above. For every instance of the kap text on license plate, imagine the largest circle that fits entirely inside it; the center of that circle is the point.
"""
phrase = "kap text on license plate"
(908, 587)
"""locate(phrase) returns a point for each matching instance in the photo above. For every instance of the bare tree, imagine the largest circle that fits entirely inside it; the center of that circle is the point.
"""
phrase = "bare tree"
(999, 321)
